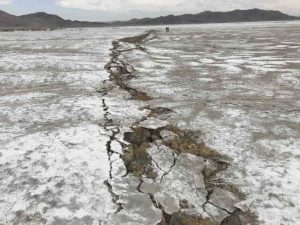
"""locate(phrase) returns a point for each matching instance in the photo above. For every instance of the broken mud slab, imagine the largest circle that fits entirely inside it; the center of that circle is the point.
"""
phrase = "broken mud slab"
(221, 198)
(152, 141)
(218, 198)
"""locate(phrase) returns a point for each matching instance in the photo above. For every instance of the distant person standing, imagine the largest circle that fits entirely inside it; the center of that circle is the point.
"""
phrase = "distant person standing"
(167, 29)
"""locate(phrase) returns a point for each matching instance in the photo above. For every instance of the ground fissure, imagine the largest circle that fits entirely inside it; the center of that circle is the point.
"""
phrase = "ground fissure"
(141, 164)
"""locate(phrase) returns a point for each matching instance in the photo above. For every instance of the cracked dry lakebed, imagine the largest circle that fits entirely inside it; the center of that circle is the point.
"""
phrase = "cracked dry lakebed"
(110, 126)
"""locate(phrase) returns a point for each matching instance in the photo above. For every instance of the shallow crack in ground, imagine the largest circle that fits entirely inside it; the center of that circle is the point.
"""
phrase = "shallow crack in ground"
(155, 203)
(115, 198)
(172, 166)
(112, 134)
(156, 163)
(207, 200)
(112, 131)
(225, 210)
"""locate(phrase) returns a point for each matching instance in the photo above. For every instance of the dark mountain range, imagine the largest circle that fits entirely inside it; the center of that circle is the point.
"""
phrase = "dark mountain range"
(250, 15)
(43, 20)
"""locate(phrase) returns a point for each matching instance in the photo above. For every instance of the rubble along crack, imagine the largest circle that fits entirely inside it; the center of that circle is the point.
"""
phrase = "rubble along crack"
(120, 73)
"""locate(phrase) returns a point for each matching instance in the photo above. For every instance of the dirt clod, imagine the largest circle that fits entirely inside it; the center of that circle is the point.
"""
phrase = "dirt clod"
(186, 143)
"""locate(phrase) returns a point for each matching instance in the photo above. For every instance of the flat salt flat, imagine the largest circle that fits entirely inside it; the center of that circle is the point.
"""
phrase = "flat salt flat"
(239, 84)
(236, 83)
(53, 157)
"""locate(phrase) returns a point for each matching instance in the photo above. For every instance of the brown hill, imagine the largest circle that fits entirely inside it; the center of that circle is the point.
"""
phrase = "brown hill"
(250, 15)
(41, 20)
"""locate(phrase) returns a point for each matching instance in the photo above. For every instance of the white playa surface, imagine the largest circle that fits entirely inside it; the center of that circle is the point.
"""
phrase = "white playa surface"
(60, 140)
(239, 84)
(53, 157)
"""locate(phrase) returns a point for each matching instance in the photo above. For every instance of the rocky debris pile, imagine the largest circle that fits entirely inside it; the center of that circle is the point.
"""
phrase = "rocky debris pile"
(180, 175)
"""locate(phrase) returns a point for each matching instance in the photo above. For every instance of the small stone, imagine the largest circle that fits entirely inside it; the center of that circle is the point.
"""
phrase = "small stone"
(114, 70)
(184, 204)
(154, 138)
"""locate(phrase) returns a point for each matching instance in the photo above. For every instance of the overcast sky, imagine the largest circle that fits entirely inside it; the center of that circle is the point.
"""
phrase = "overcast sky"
(106, 10)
